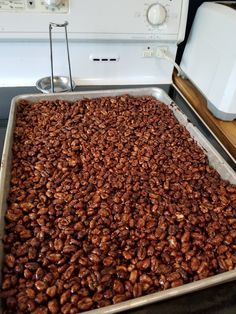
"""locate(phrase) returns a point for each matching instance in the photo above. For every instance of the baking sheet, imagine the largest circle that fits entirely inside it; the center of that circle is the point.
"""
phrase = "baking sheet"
(214, 157)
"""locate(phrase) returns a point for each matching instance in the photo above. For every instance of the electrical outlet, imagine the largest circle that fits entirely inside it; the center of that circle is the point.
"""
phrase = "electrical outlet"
(161, 51)
(148, 53)
(157, 52)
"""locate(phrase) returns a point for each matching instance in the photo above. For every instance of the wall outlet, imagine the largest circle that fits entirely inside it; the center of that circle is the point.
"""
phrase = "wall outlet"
(154, 52)
(161, 51)
(148, 52)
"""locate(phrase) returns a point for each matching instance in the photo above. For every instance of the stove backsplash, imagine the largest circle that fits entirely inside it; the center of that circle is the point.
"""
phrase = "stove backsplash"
(23, 63)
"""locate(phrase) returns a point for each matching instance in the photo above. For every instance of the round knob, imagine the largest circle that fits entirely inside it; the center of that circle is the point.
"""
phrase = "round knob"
(156, 14)
(53, 3)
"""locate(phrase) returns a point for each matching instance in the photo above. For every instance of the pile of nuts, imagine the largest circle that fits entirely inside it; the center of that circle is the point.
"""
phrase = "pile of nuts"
(110, 199)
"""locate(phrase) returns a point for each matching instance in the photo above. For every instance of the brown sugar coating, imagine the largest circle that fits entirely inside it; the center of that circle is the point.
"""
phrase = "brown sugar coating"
(110, 199)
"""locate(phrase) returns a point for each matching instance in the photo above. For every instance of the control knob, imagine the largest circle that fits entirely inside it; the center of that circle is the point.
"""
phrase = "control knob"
(156, 14)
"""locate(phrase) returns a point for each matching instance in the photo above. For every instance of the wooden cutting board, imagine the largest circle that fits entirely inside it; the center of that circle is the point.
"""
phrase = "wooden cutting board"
(225, 131)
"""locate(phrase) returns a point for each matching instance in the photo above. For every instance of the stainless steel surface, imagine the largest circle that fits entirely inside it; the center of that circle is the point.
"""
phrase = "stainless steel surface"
(57, 83)
(60, 84)
(215, 160)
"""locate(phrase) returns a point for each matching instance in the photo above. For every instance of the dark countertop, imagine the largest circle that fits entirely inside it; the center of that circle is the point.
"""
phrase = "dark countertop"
(216, 300)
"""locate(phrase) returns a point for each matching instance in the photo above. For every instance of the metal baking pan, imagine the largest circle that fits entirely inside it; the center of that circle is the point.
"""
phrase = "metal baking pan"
(215, 160)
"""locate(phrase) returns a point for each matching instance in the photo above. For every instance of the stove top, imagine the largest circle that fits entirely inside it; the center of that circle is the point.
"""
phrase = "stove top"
(220, 299)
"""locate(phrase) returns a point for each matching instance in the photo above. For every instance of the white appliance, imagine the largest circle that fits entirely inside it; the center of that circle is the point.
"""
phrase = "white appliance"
(111, 42)
(209, 58)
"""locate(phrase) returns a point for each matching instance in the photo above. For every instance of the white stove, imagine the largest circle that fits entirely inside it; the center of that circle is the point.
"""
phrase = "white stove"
(111, 42)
